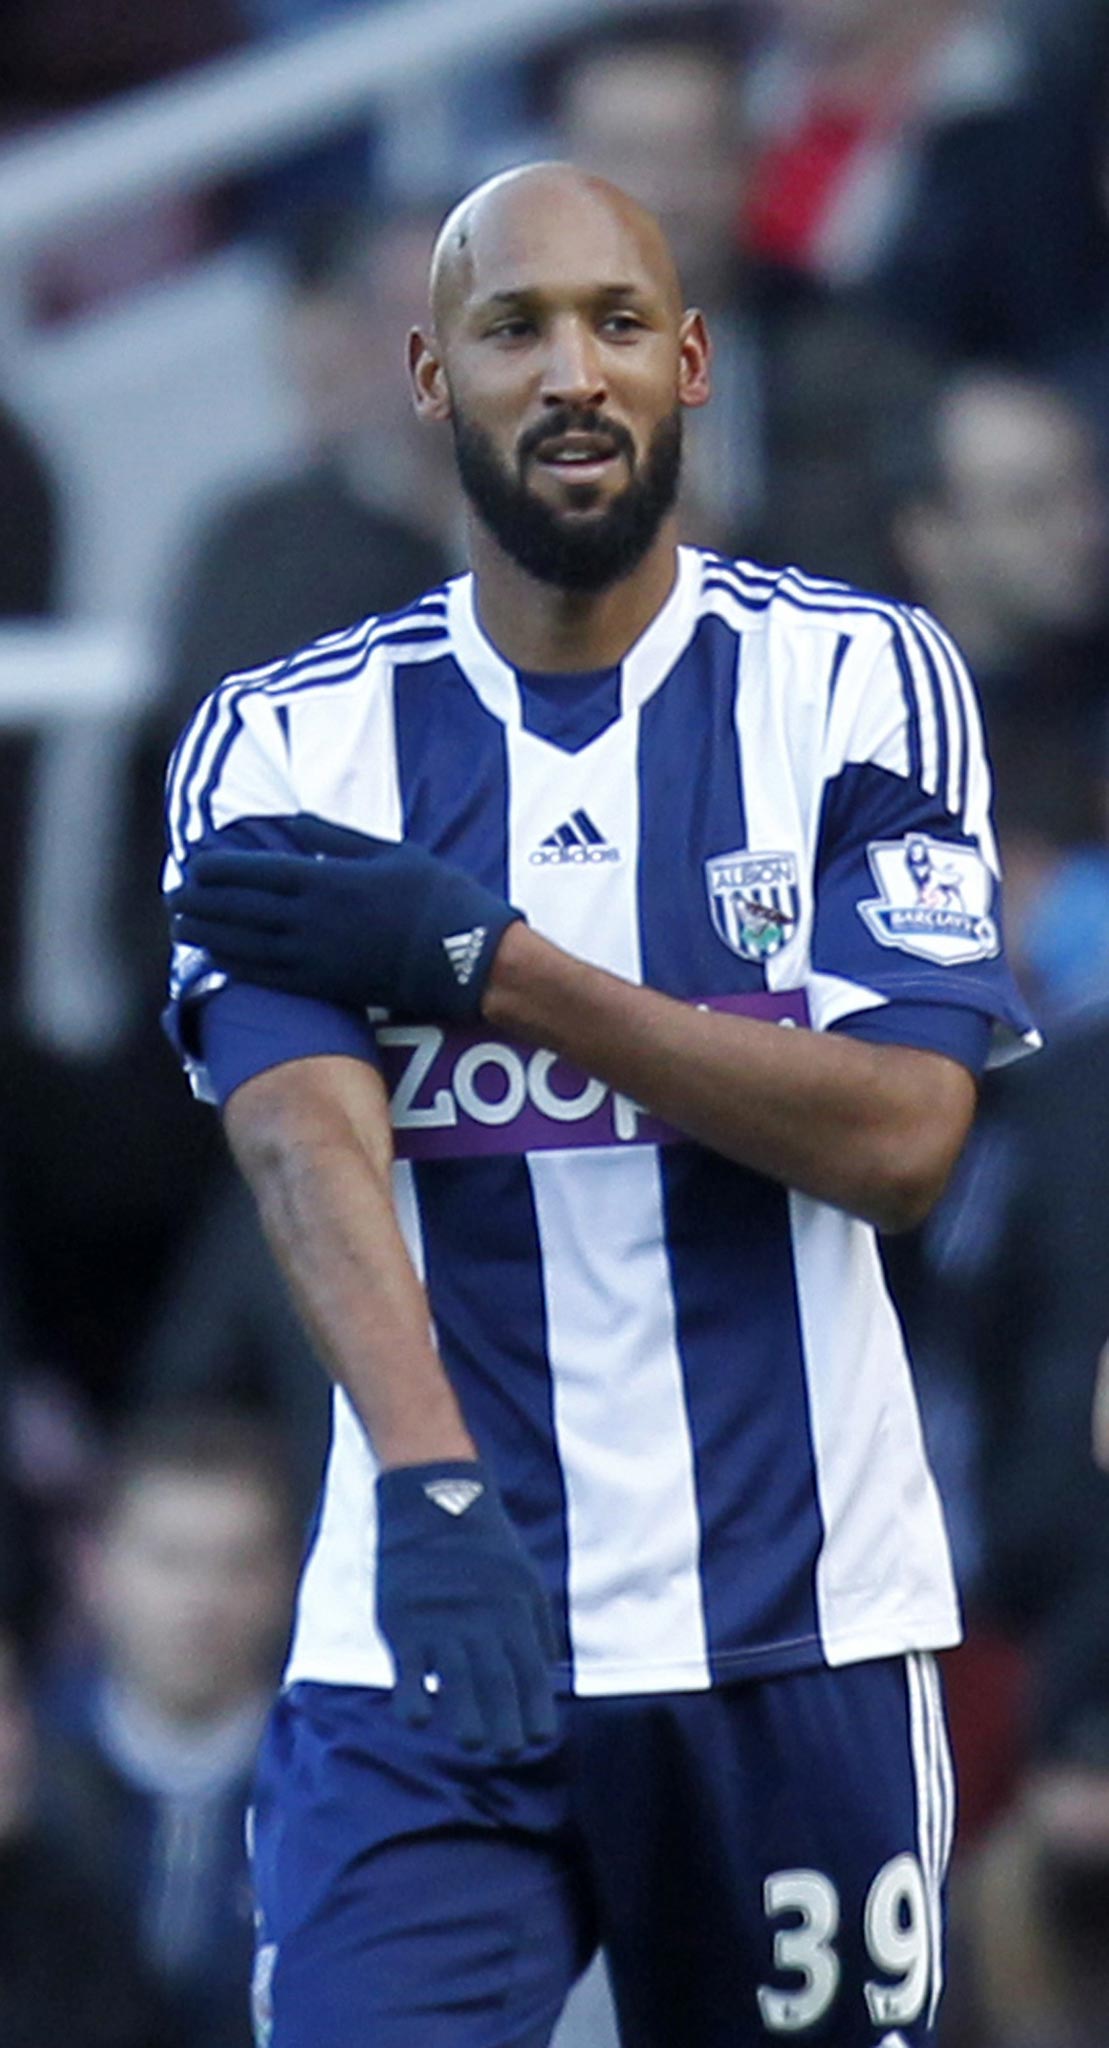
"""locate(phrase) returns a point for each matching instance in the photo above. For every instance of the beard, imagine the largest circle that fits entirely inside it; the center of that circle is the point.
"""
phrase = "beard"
(575, 549)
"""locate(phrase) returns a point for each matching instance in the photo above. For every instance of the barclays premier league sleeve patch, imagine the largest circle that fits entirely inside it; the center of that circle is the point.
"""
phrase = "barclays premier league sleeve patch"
(935, 900)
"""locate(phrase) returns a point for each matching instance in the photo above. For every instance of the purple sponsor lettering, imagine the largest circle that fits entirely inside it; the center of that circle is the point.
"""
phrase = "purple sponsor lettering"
(466, 1095)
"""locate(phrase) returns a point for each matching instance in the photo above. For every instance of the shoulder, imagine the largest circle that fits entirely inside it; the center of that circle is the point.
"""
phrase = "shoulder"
(794, 603)
(349, 655)
(850, 644)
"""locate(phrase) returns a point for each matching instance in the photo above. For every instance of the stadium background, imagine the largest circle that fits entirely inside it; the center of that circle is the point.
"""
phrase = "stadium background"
(214, 224)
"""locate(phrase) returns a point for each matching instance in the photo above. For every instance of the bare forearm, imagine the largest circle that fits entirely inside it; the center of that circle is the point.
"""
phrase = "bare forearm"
(317, 1158)
(872, 1129)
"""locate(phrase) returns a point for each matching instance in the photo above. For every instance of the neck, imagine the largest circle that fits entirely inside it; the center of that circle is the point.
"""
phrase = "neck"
(539, 626)
(161, 1743)
(988, 642)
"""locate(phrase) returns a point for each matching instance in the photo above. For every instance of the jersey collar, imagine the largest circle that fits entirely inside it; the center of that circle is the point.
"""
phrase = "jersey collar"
(645, 666)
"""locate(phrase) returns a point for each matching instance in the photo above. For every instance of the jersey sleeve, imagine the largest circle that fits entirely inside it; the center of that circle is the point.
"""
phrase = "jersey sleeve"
(908, 916)
(229, 774)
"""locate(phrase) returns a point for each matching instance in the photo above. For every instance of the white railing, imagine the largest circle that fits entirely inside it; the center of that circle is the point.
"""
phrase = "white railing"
(51, 673)
(243, 110)
(79, 688)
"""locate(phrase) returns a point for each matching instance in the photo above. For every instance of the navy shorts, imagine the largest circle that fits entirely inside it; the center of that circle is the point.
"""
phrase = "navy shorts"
(762, 1862)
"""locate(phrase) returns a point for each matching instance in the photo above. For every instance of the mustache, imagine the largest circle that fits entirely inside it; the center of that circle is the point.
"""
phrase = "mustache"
(574, 420)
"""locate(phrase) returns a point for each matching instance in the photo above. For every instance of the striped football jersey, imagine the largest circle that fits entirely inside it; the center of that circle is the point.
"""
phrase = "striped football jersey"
(689, 1380)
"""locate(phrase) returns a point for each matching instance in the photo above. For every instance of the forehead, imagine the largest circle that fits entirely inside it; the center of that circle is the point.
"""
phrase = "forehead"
(557, 240)
(994, 432)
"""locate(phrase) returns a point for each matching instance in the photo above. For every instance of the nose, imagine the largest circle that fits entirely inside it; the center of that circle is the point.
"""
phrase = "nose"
(572, 372)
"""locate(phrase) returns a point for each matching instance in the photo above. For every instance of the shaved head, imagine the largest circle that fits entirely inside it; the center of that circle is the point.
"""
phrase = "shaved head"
(510, 215)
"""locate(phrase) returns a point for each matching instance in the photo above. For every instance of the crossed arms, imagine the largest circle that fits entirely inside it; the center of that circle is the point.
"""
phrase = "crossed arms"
(874, 1129)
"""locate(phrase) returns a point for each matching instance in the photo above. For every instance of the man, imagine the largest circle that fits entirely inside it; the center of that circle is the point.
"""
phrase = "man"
(848, 105)
(360, 493)
(1000, 520)
(673, 1362)
(71, 1970)
(188, 1588)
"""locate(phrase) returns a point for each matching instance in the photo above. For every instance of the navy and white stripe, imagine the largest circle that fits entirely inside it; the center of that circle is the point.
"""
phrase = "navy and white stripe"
(691, 1382)
(200, 761)
(935, 1782)
(940, 708)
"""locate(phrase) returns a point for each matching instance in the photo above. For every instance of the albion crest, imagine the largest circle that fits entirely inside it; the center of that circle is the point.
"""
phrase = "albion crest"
(936, 899)
(754, 901)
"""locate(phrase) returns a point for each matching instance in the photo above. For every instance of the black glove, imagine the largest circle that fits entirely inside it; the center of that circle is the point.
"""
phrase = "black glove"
(457, 1596)
(385, 922)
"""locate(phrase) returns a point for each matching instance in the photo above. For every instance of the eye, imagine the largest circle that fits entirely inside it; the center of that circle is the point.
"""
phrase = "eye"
(513, 327)
(622, 325)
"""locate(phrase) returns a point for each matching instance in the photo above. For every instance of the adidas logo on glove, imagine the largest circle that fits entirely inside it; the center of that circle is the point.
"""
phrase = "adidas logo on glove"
(454, 1496)
(463, 950)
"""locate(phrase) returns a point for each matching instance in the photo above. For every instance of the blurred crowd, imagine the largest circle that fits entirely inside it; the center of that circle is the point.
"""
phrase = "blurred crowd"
(895, 215)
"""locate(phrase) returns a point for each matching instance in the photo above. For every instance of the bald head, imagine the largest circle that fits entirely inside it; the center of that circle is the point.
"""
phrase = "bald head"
(562, 359)
(513, 223)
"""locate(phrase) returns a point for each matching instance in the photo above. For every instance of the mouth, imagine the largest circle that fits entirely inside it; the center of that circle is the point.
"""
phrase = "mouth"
(578, 457)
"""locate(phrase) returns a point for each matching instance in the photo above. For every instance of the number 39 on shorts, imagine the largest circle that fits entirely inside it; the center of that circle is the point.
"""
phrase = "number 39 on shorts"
(899, 1930)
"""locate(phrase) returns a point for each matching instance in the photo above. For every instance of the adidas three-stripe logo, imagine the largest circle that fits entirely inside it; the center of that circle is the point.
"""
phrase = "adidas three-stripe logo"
(463, 950)
(454, 1496)
(577, 843)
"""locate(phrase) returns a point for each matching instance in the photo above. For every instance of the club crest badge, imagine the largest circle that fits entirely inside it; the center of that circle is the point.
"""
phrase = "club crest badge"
(754, 901)
(936, 900)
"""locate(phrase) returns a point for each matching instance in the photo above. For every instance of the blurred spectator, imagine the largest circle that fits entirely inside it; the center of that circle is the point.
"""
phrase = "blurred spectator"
(1036, 1915)
(1000, 522)
(1003, 251)
(1034, 1318)
(844, 103)
(188, 1588)
(628, 107)
(1080, 357)
(357, 525)
(1048, 809)
(342, 169)
(225, 1328)
(835, 379)
(68, 1971)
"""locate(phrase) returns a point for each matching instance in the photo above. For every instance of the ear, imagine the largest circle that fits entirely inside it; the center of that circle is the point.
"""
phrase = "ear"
(428, 378)
(694, 360)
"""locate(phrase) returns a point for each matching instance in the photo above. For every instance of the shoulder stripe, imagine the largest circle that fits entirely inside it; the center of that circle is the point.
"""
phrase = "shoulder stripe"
(952, 771)
(838, 659)
(966, 717)
(912, 709)
(934, 740)
(811, 594)
(326, 673)
(201, 754)
(940, 696)
(721, 603)
(189, 757)
(206, 791)
(720, 579)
